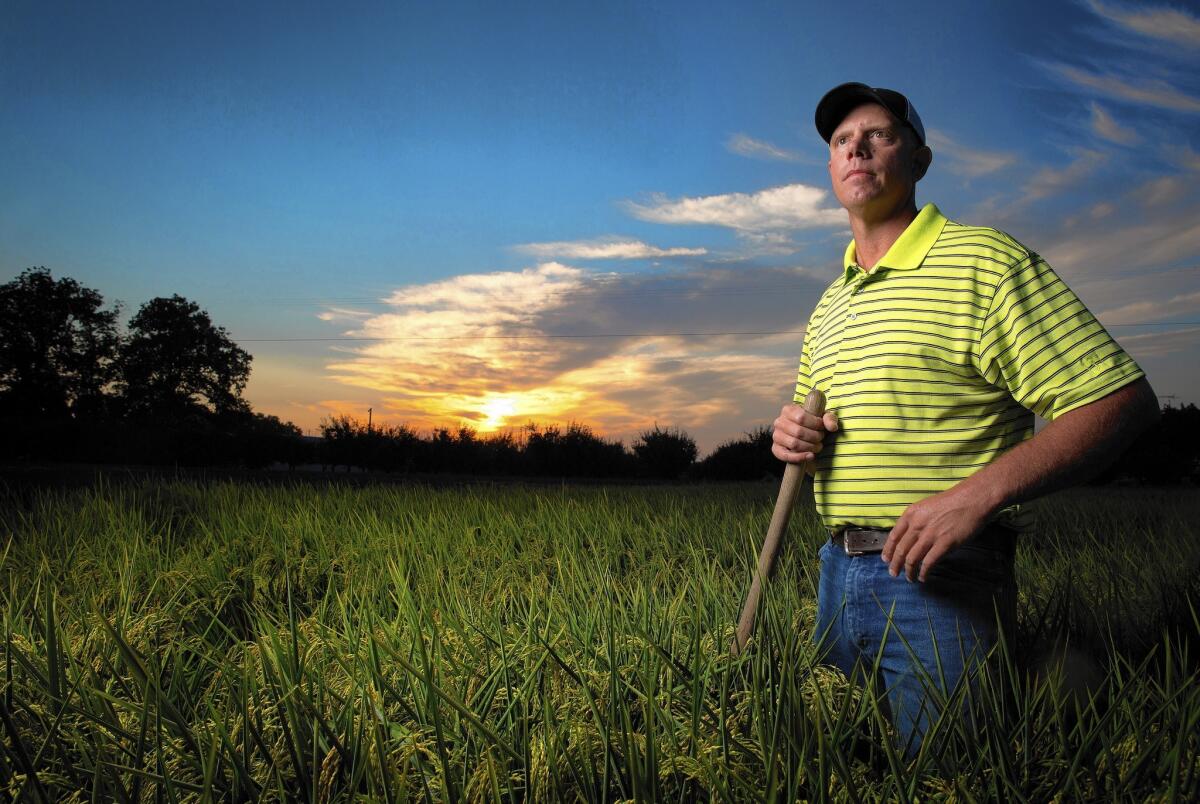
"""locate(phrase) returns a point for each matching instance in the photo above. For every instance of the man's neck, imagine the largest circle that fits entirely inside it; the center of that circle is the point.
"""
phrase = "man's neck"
(873, 238)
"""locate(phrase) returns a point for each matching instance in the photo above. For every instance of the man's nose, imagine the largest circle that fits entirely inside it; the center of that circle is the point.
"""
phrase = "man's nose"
(858, 146)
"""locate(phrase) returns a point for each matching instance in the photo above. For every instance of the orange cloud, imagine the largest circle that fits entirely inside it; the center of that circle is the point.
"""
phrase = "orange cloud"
(554, 343)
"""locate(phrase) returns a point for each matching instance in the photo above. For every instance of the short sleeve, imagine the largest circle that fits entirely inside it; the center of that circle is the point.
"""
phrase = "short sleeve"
(1041, 344)
(804, 372)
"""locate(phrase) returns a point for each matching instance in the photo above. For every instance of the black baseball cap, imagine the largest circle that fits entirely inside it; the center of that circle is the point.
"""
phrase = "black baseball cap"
(839, 101)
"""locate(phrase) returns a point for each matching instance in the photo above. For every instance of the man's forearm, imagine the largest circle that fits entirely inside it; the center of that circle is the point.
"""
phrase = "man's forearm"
(1069, 450)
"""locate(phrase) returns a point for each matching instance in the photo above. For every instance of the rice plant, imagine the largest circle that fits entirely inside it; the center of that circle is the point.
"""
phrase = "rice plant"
(184, 640)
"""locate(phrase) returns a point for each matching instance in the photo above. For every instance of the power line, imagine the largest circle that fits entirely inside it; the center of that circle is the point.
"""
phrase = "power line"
(549, 295)
(537, 336)
(608, 286)
(600, 335)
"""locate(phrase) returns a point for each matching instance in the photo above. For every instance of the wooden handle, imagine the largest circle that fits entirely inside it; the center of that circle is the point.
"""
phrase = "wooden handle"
(793, 478)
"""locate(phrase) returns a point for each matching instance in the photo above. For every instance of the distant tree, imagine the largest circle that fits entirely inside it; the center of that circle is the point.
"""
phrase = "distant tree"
(263, 439)
(746, 458)
(442, 451)
(57, 347)
(502, 455)
(341, 439)
(588, 455)
(578, 452)
(176, 361)
(665, 453)
(396, 448)
(1169, 452)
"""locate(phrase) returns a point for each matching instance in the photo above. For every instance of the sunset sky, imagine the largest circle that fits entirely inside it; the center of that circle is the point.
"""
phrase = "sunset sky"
(613, 213)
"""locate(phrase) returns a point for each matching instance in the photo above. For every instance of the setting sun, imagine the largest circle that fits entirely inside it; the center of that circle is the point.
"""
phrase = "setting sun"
(497, 410)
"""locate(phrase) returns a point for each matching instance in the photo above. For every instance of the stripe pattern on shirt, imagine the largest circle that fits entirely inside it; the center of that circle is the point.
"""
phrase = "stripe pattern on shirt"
(937, 367)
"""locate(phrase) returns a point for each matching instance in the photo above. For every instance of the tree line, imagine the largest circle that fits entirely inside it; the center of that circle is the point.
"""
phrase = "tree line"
(167, 389)
(542, 451)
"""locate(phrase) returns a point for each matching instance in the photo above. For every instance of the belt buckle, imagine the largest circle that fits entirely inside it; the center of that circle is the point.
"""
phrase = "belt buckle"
(851, 551)
(846, 547)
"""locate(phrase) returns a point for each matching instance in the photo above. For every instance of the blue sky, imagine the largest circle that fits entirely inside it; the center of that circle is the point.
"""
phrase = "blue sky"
(447, 176)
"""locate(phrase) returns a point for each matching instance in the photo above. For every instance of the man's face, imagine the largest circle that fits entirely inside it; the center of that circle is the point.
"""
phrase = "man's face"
(874, 162)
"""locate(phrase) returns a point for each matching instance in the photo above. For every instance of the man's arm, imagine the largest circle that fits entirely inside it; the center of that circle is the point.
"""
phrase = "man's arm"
(1069, 450)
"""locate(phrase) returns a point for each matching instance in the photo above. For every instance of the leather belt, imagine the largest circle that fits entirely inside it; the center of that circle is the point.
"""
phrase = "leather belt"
(869, 541)
(859, 541)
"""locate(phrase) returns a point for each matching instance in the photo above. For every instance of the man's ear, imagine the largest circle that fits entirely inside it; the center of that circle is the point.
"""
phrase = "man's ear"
(921, 159)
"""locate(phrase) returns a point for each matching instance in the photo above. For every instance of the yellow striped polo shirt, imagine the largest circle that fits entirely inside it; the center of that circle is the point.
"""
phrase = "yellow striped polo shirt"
(937, 360)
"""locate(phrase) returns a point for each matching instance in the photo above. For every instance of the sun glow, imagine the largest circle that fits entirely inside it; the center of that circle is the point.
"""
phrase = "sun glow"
(452, 354)
(497, 410)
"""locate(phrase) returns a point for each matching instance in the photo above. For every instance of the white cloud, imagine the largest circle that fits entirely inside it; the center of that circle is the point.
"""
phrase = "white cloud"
(766, 244)
(1109, 129)
(966, 161)
(1105, 249)
(337, 313)
(785, 208)
(1167, 24)
(447, 353)
(610, 248)
(498, 295)
(1161, 191)
(454, 335)
(744, 145)
(1147, 92)
(1051, 181)
(1184, 157)
(1157, 344)
(1143, 311)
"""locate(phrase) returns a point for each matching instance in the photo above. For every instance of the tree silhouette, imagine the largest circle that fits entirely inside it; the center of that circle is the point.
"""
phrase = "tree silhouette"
(56, 347)
(665, 453)
(176, 361)
(746, 458)
(577, 452)
(1169, 452)
(262, 439)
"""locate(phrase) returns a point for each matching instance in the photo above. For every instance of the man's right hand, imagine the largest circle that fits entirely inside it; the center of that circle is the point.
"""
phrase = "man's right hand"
(797, 436)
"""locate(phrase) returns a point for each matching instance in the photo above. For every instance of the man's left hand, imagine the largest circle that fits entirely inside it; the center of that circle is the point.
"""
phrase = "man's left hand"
(930, 528)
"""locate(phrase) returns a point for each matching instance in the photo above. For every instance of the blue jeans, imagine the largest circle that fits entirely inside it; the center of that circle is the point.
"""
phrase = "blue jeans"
(916, 636)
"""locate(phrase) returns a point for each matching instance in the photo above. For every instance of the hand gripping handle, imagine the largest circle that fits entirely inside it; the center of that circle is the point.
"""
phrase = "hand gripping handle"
(793, 478)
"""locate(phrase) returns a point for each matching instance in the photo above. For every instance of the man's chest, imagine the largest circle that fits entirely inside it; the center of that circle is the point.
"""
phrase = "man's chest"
(907, 330)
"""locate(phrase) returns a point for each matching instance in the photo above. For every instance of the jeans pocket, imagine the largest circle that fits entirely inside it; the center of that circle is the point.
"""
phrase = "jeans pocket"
(972, 567)
(978, 581)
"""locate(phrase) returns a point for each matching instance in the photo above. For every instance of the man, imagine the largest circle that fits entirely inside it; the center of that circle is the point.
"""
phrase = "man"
(935, 347)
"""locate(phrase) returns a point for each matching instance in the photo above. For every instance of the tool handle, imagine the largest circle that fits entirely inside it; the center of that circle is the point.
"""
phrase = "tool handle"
(793, 478)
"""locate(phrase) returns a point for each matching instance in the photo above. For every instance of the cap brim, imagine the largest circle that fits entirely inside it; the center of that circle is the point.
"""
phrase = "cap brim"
(840, 101)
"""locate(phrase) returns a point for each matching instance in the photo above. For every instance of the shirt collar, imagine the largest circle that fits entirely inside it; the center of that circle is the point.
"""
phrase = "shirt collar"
(909, 250)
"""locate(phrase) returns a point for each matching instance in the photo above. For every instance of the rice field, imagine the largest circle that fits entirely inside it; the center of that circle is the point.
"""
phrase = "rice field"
(184, 640)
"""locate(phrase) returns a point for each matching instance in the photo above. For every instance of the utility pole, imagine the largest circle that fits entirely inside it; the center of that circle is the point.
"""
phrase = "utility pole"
(369, 410)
